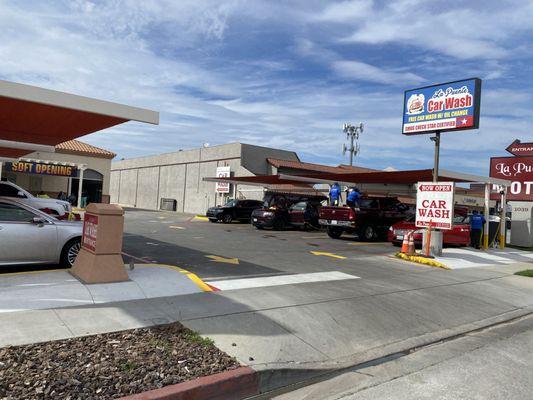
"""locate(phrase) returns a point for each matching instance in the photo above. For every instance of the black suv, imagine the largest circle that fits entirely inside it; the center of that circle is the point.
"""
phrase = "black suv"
(240, 210)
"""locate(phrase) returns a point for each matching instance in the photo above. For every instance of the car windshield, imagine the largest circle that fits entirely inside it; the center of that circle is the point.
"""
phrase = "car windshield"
(459, 219)
(231, 203)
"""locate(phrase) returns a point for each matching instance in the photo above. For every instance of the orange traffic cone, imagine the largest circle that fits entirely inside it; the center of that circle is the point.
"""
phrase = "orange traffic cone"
(405, 244)
(411, 247)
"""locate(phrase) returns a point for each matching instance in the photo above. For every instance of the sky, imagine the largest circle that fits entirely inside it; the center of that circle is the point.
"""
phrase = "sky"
(283, 74)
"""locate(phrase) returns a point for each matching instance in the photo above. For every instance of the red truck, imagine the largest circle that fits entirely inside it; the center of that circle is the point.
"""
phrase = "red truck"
(370, 221)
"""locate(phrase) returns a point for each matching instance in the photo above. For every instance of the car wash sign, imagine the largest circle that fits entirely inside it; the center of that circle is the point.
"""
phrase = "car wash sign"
(223, 172)
(434, 205)
(444, 107)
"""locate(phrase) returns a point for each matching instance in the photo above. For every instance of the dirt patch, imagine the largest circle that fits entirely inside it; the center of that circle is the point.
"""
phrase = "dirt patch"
(110, 365)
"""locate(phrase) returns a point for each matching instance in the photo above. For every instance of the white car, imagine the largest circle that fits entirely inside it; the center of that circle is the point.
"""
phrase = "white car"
(57, 208)
(30, 236)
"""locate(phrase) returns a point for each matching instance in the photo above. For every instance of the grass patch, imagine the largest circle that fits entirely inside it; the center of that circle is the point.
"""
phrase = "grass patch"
(127, 366)
(194, 337)
(526, 272)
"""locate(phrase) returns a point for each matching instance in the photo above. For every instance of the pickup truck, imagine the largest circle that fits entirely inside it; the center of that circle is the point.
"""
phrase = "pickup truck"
(369, 221)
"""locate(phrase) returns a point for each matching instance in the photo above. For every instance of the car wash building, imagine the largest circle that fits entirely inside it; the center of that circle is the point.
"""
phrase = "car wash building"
(60, 171)
(174, 181)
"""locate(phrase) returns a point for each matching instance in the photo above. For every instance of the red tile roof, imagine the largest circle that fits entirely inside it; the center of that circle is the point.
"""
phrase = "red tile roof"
(316, 167)
(84, 149)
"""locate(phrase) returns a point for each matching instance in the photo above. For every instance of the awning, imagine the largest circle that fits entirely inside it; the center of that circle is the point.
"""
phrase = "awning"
(30, 114)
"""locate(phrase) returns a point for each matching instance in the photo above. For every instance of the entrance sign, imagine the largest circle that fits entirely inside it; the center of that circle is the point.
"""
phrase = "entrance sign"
(519, 170)
(90, 232)
(31, 167)
(223, 172)
(434, 205)
(444, 107)
(520, 149)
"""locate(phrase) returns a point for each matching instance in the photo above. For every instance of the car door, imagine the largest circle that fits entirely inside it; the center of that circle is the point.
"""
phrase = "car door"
(22, 240)
(296, 213)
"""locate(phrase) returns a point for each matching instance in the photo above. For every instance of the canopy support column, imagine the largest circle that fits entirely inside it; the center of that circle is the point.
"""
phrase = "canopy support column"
(503, 218)
(487, 210)
(80, 185)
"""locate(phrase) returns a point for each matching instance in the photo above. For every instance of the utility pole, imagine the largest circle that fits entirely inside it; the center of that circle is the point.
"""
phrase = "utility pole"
(352, 134)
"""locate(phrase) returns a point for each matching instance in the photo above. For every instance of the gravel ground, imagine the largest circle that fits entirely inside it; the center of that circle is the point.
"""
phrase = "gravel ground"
(110, 365)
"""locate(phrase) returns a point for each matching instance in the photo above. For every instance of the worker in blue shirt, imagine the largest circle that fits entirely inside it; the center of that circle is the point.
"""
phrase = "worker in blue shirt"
(334, 194)
(476, 226)
(353, 197)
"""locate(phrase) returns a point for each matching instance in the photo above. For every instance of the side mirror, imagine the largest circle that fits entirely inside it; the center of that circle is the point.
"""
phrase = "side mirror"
(21, 194)
(38, 221)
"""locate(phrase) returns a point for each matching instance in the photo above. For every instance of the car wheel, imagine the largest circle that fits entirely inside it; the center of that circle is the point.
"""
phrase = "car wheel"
(334, 233)
(227, 218)
(70, 252)
(368, 233)
(278, 224)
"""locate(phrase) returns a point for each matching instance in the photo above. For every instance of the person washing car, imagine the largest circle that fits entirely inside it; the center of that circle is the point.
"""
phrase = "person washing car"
(476, 226)
(334, 194)
(352, 200)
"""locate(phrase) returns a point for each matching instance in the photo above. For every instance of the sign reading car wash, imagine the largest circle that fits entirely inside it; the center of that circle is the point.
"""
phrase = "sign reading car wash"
(90, 232)
(223, 172)
(519, 170)
(39, 168)
(444, 107)
(434, 205)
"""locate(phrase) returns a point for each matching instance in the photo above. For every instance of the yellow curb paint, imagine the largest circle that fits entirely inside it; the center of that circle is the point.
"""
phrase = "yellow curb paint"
(200, 218)
(223, 259)
(34, 272)
(193, 277)
(422, 260)
(326, 254)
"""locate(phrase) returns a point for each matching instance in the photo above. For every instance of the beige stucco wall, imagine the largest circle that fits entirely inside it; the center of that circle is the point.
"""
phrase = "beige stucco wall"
(47, 183)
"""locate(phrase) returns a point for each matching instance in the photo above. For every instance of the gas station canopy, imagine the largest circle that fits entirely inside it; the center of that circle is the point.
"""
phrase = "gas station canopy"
(33, 115)
(409, 177)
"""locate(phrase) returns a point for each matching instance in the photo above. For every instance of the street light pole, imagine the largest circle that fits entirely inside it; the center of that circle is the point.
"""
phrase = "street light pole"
(436, 139)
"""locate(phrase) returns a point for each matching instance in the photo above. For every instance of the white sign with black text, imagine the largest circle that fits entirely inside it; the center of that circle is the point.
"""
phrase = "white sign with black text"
(223, 172)
(434, 205)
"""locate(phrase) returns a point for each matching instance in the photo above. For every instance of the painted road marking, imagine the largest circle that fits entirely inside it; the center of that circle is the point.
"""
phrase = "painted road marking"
(326, 254)
(200, 218)
(223, 259)
(279, 280)
(176, 227)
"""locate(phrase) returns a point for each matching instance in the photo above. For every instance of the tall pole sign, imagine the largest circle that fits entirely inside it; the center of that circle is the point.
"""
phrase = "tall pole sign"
(445, 107)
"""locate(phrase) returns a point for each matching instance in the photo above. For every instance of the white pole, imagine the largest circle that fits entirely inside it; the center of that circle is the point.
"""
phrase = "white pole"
(503, 218)
(1, 164)
(487, 210)
(80, 187)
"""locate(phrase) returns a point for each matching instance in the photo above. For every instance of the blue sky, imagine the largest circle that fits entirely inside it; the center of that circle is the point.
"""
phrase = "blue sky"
(281, 73)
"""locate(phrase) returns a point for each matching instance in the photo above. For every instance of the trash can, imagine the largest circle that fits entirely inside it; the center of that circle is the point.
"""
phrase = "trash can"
(435, 246)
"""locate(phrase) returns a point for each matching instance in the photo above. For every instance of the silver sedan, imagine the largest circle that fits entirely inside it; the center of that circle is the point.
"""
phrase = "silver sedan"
(29, 236)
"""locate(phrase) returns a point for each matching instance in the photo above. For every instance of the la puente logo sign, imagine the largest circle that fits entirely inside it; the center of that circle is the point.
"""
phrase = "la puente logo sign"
(518, 169)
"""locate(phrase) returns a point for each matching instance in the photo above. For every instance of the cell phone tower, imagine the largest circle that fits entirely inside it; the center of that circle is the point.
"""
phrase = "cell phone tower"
(352, 134)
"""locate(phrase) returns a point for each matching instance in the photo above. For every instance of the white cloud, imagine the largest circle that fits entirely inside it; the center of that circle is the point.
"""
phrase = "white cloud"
(366, 72)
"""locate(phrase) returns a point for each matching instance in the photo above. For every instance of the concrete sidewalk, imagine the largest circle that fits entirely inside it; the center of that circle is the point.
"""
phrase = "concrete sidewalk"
(51, 289)
(291, 332)
(456, 258)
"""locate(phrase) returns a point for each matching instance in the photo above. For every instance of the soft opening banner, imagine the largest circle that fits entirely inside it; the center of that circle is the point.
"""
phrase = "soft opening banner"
(40, 168)
(444, 107)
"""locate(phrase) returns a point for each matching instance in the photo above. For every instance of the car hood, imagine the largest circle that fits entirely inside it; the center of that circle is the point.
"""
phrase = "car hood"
(405, 225)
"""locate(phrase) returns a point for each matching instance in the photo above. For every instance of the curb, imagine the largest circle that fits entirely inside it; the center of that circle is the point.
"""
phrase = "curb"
(235, 384)
(421, 260)
(200, 218)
